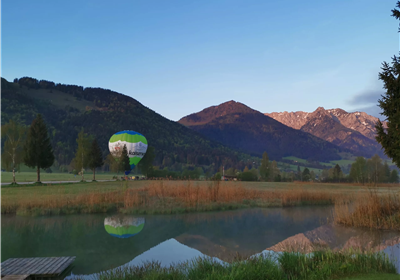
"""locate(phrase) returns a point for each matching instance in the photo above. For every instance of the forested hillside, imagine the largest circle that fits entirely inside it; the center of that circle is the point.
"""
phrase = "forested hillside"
(68, 108)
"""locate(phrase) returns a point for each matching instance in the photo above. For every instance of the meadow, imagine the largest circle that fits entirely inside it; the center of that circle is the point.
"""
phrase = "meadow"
(31, 176)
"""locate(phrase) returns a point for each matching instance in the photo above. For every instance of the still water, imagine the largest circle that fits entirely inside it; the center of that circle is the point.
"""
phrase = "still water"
(102, 241)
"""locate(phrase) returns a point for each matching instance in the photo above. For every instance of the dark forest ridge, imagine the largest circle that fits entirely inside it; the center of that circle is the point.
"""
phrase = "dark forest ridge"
(101, 112)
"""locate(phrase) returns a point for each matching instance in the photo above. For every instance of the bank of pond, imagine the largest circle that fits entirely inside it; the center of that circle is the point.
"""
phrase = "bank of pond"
(259, 243)
(376, 208)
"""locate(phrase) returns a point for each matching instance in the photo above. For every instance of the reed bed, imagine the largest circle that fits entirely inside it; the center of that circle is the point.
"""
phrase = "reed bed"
(164, 197)
(319, 265)
(172, 197)
(370, 210)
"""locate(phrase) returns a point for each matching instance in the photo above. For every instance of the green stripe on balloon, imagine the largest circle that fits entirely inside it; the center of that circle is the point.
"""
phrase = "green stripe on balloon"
(128, 138)
(123, 230)
(134, 160)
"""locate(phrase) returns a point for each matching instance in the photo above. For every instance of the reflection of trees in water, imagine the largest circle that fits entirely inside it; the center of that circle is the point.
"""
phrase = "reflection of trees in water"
(50, 223)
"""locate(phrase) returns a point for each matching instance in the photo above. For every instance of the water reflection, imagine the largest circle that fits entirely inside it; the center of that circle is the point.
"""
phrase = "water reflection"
(176, 238)
(123, 226)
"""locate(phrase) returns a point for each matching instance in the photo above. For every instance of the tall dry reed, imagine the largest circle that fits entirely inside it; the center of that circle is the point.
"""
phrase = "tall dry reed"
(370, 210)
(171, 197)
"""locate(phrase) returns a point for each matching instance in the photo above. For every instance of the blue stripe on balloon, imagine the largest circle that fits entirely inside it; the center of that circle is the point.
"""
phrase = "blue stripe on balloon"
(122, 236)
(131, 132)
(132, 166)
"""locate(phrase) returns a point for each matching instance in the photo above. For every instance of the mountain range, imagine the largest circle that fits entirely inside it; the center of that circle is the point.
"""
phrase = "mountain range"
(240, 127)
(354, 131)
(229, 134)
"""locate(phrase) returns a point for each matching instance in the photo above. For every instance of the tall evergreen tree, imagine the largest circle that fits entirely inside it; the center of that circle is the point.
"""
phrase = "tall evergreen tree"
(124, 160)
(38, 150)
(299, 174)
(145, 165)
(337, 173)
(385, 173)
(273, 171)
(390, 105)
(264, 167)
(95, 157)
(306, 174)
(394, 176)
(14, 136)
(82, 152)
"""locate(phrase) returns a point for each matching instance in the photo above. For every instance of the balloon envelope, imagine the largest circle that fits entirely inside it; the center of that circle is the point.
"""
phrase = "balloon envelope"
(123, 227)
(136, 144)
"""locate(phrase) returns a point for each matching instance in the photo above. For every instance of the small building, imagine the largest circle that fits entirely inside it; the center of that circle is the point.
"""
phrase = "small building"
(229, 178)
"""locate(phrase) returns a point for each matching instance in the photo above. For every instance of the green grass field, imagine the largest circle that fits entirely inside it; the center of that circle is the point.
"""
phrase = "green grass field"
(32, 176)
(377, 276)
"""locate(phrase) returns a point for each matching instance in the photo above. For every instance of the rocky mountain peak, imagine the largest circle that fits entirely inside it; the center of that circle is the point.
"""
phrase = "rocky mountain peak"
(213, 112)
(358, 121)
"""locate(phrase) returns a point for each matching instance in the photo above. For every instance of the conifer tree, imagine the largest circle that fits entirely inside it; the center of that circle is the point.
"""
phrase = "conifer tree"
(82, 152)
(390, 104)
(306, 174)
(38, 150)
(264, 167)
(146, 163)
(299, 174)
(337, 172)
(394, 176)
(124, 160)
(95, 157)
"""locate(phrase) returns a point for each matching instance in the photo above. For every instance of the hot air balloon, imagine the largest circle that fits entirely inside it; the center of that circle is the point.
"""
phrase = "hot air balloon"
(135, 142)
(123, 227)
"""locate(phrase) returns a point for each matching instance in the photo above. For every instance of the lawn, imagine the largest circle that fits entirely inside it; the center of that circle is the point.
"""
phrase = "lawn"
(32, 176)
(377, 276)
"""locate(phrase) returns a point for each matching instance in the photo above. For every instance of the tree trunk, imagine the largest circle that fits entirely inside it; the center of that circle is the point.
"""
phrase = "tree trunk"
(13, 166)
(82, 173)
(94, 169)
(14, 175)
(38, 174)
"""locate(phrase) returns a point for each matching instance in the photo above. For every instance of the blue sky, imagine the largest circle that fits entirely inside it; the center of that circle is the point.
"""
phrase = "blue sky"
(179, 57)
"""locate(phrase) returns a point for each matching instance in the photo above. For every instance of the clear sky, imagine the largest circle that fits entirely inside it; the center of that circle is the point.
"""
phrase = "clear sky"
(179, 57)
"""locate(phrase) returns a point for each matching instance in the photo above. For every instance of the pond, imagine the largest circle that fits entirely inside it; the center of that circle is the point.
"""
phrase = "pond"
(102, 241)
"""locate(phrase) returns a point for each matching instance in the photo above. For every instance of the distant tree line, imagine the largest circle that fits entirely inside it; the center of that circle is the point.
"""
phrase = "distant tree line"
(31, 146)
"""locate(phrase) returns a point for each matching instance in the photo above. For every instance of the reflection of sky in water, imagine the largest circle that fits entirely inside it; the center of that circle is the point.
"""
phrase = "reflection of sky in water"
(394, 254)
(177, 238)
(166, 253)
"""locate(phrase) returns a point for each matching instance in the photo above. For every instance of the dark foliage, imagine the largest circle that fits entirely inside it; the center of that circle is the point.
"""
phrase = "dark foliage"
(95, 157)
(38, 150)
(390, 104)
(145, 165)
(108, 112)
(124, 160)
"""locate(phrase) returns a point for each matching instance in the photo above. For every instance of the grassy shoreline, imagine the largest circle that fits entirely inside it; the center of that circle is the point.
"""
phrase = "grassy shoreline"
(287, 265)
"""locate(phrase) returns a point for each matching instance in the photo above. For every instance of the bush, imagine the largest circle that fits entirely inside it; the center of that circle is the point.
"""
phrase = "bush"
(247, 176)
